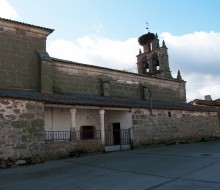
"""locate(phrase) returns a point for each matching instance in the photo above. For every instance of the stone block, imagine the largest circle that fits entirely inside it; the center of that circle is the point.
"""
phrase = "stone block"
(27, 116)
(19, 124)
(38, 123)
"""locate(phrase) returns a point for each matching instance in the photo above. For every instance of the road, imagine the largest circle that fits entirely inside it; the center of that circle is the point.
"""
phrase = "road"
(177, 167)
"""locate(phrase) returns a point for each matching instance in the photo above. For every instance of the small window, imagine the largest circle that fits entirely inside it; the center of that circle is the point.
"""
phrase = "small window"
(146, 64)
(151, 46)
(169, 114)
(157, 64)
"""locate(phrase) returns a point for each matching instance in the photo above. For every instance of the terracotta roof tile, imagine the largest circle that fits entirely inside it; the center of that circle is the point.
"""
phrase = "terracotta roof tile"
(91, 100)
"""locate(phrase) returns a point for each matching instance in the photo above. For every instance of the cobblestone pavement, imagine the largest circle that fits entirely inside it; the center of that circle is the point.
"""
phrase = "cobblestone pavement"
(183, 167)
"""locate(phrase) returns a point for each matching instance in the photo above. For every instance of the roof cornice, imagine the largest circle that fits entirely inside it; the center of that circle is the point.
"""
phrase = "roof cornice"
(27, 27)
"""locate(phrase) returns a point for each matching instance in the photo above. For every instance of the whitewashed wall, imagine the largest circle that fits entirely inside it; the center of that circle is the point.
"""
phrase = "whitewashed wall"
(122, 117)
(56, 119)
(87, 118)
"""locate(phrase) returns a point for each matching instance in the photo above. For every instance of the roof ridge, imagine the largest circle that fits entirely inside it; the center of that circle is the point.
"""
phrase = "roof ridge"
(18, 22)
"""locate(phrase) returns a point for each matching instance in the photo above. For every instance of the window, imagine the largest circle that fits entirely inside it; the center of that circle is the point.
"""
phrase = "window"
(157, 64)
(169, 114)
(151, 46)
(146, 66)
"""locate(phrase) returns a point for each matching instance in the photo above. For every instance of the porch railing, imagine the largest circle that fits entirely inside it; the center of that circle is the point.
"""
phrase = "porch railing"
(57, 135)
(66, 135)
(88, 134)
(117, 137)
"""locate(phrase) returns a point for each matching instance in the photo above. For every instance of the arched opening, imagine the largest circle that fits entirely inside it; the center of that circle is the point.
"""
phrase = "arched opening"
(87, 125)
(146, 66)
(156, 62)
(87, 132)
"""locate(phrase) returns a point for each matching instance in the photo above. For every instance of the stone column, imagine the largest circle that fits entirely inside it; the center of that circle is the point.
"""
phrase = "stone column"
(73, 119)
(73, 124)
(102, 124)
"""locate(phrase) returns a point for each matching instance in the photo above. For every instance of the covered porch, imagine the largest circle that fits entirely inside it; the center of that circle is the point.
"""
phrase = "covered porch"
(106, 125)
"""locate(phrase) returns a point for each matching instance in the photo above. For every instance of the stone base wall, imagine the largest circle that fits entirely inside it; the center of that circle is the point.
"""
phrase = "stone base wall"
(64, 149)
(21, 132)
(173, 126)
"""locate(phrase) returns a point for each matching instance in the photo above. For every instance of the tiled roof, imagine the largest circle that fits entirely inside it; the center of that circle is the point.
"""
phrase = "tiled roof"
(217, 102)
(91, 100)
(206, 102)
(13, 21)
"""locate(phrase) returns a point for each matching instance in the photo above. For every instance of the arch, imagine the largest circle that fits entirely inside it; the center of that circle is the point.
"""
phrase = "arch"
(155, 62)
(145, 64)
(88, 121)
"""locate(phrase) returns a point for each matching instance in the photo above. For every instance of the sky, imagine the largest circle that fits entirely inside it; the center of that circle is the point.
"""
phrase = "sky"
(105, 33)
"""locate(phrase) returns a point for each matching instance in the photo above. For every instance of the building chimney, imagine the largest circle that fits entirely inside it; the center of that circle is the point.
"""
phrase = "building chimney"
(208, 97)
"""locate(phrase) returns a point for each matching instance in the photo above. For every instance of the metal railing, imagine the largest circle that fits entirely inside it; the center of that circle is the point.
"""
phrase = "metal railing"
(117, 137)
(57, 135)
(88, 134)
(125, 136)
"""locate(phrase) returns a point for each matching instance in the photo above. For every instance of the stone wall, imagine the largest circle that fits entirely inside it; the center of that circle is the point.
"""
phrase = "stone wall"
(65, 149)
(78, 78)
(21, 132)
(19, 62)
(171, 126)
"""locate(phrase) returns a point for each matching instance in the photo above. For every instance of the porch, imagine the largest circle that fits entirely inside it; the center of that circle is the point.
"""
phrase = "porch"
(116, 139)
(110, 126)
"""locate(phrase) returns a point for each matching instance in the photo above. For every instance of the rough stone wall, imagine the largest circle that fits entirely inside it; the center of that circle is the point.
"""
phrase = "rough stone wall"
(19, 64)
(64, 149)
(21, 132)
(181, 126)
(76, 78)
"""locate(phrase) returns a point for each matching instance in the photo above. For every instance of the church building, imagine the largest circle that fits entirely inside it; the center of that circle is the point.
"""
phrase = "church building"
(52, 108)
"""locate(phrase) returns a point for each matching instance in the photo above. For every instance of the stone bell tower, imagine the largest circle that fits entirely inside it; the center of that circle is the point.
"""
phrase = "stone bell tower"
(153, 59)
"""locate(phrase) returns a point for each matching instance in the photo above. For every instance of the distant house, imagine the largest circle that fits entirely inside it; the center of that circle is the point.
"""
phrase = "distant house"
(207, 102)
(52, 108)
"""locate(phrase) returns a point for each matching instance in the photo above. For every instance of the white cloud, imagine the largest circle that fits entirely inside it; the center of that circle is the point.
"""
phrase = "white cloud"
(98, 28)
(198, 85)
(7, 11)
(196, 52)
(97, 51)
(196, 55)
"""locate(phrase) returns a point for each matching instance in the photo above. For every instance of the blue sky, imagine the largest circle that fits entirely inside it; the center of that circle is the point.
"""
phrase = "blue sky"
(120, 19)
(105, 32)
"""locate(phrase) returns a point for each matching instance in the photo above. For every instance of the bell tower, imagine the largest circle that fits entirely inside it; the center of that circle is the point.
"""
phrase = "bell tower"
(153, 60)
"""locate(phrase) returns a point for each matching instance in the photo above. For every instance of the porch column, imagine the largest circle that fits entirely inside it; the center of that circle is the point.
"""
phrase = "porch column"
(73, 124)
(102, 124)
(73, 119)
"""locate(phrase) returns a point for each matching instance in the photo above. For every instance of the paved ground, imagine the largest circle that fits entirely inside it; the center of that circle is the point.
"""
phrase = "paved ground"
(177, 167)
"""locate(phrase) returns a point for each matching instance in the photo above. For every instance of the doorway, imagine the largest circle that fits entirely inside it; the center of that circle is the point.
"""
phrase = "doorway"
(117, 138)
(116, 133)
